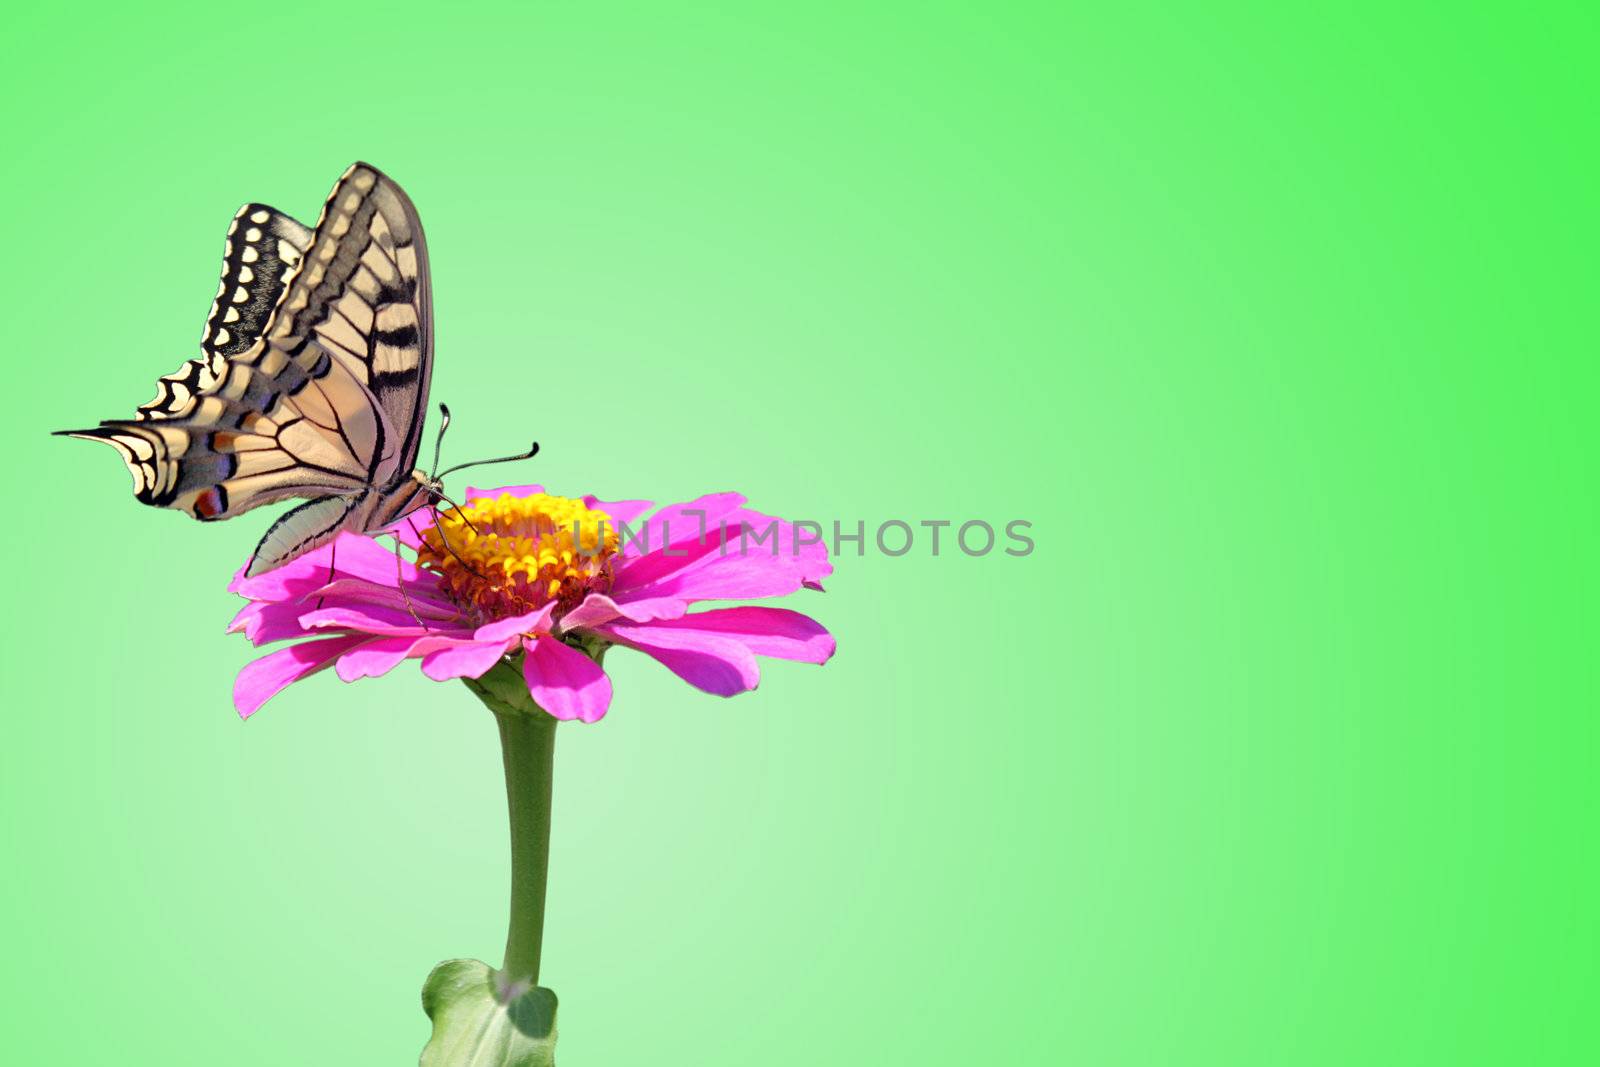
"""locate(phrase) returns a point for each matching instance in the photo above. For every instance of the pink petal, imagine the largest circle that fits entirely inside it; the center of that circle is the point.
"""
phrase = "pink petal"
(355, 591)
(376, 658)
(362, 618)
(263, 622)
(673, 524)
(349, 556)
(639, 571)
(598, 608)
(735, 576)
(627, 511)
(264, 678)
(810, 559)
(776, 632)
(245, 615)
(564, 681)
(533, 622)
(712, 662)
(297, 576)
(381, 655)
(462, 658)
(740, 569)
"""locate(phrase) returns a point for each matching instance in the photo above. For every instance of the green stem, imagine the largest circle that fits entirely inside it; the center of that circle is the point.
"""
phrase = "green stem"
(528, 743)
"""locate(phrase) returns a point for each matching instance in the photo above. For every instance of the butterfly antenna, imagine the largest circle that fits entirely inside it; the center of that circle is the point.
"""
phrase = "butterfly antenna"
(438, 441)
(529, 454)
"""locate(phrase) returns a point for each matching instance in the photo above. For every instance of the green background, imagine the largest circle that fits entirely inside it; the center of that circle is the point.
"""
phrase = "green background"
(1280, 748)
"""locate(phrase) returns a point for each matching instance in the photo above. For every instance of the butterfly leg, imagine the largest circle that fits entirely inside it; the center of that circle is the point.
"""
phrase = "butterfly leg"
(445, 539)
(400, 581)
(333, 556)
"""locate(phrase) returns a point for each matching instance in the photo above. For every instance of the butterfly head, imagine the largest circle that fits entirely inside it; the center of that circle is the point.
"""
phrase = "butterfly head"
(430, 488)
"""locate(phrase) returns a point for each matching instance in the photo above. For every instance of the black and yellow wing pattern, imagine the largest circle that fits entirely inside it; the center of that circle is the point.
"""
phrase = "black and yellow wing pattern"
(312, 378)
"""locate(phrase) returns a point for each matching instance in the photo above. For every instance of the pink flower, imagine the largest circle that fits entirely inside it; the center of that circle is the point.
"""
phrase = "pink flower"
(558, 580)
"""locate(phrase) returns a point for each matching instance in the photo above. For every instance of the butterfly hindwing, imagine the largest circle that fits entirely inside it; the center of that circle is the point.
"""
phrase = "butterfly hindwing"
(316, 523)
(261, 250)
(299, 530)
(213, 473)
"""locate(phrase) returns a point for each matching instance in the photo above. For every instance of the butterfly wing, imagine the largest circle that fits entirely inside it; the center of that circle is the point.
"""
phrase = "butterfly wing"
(259, 254)
(206, 443)
(365, 298)
(317, 522)
(303, 399)
(301, 529)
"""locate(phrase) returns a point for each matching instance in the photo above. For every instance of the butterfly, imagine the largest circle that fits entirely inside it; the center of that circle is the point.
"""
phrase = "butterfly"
(312, 379)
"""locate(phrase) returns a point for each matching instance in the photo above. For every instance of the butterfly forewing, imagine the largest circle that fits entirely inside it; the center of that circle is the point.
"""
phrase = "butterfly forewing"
(362, 295)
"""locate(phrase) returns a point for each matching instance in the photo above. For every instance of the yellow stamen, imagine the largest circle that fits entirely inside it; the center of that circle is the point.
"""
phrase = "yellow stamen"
(512, 555)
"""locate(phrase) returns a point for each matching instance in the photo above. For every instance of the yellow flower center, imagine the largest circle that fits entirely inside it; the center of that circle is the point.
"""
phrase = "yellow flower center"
(513, 555)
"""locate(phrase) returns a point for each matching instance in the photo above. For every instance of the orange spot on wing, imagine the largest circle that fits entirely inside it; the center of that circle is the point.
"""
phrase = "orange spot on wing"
(209, 504)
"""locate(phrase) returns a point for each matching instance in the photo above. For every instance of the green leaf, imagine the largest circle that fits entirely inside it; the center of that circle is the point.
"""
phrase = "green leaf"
(481, 1020)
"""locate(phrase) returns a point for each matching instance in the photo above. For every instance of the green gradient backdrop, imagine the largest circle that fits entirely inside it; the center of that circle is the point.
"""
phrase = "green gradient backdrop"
(1279, 749)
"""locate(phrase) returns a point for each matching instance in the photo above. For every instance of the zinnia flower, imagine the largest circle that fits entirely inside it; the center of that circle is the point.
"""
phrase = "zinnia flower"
(553, 578)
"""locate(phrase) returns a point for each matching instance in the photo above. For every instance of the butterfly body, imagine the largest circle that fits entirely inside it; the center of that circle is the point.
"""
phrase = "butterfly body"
(312, 380)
